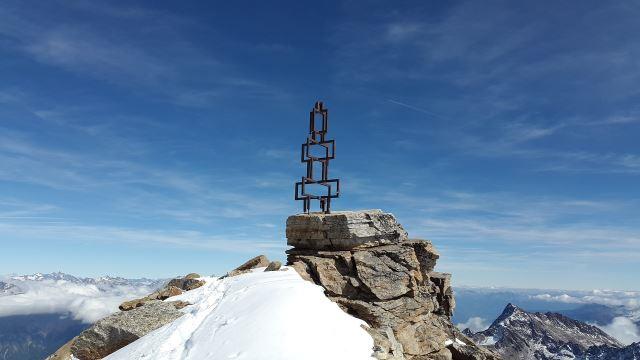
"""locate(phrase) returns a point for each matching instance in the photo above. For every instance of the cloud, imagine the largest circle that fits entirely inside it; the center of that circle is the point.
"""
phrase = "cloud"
(167, 65)
(474, 324)
(623, 329)
(68, 232)
(579, 227)
(503, 95)
(85, 302)
(628, 299)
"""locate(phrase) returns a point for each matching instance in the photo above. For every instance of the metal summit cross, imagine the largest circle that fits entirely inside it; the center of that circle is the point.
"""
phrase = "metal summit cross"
(317, 151)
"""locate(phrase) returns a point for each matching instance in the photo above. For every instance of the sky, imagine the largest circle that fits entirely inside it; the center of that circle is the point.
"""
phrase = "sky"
(149, 139)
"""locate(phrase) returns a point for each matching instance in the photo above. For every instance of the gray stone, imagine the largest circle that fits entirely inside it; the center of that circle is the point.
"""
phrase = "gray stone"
(332, 271)
(343, 230)
(385, 278)
(274, 266)
(120, 329)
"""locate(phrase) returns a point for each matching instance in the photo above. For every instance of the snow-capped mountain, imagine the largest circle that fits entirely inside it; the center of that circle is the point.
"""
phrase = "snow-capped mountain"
(40, 312)
(517, 334)
(8, 289)
(103, 281)
(631, 352)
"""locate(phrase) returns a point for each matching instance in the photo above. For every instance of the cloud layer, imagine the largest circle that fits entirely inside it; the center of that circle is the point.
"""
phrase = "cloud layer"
(474, 324)
(628, 299)
(623, 329)
(85, 302)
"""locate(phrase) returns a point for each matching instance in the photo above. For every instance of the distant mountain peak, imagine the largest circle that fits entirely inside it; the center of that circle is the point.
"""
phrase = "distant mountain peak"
(510, 311)
(517, 333)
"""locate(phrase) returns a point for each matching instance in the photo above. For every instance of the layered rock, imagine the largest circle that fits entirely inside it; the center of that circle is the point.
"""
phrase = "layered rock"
(366, 263)
(343, 230)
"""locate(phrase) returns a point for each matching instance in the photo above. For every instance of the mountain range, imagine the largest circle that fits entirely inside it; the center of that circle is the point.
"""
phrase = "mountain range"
(40, 312)
(518, 334)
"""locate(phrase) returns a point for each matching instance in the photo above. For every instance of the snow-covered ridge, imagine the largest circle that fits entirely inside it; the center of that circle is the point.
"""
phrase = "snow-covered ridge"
(254, 316)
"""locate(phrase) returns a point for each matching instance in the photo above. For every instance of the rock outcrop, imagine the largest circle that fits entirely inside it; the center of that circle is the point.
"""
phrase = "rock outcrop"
(122, 328)
(137, 318)
(173, 288)
(256, 262)
(367, 264)
(274, 266)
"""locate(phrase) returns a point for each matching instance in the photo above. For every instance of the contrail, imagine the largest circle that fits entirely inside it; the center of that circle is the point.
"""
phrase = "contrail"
(415, 108)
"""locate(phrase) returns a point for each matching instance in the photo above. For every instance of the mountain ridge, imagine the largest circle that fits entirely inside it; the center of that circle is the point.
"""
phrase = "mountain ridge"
(518, 334)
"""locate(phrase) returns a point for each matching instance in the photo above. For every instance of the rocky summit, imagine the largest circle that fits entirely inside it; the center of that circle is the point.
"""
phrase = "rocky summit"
(367, 264)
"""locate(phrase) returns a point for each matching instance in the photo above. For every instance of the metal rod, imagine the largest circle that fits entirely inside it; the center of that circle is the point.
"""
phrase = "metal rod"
(317, 138)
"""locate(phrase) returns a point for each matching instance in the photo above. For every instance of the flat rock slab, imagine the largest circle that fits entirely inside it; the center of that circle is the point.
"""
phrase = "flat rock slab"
(344, 230)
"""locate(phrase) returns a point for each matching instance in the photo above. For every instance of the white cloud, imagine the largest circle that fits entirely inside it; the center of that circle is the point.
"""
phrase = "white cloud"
(60, 231)
(85, 302)
(628, 299)
(116, 55)
(474, 324)
(623, 329)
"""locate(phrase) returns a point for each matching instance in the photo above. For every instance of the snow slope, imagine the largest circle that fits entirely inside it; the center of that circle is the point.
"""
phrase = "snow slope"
(259, 315)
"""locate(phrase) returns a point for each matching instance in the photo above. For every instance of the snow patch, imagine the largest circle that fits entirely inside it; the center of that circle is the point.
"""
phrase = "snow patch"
(489, 340)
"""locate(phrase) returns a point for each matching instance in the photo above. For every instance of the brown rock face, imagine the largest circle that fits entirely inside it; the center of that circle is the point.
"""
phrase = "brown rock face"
(256, 262)
(185, 284)
(384, 279)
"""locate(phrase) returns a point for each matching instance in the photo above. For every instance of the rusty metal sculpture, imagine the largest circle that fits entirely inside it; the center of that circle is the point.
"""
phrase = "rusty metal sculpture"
(318, 151)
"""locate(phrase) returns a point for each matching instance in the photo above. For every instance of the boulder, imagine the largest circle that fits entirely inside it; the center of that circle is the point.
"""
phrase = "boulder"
(168, 292)
(343, 230)
(185, 284)
(163, 294)
(120, 329)
(132, 304)
(274, 266)
(256, 262)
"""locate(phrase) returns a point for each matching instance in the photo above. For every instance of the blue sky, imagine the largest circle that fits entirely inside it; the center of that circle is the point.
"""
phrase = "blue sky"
(158, 138)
